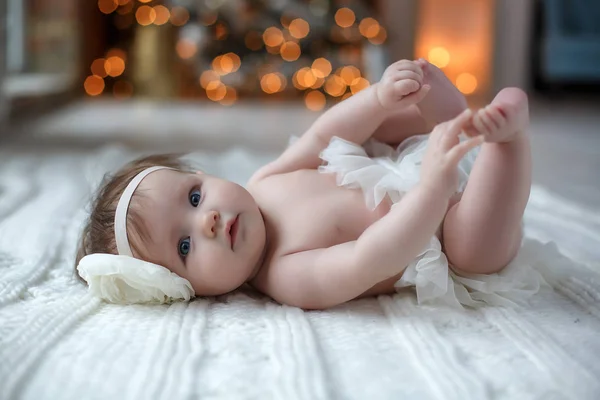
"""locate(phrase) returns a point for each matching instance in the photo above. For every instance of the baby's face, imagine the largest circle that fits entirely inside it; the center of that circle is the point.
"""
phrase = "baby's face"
(205, 229)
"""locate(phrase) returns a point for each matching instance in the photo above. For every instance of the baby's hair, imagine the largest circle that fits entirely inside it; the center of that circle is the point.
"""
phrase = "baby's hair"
(98, 234)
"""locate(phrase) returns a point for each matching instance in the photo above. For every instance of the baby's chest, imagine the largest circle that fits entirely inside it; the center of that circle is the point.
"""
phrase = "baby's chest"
(309, 211)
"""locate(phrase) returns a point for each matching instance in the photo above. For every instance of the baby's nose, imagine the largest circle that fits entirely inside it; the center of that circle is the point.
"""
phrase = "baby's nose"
(209, 224)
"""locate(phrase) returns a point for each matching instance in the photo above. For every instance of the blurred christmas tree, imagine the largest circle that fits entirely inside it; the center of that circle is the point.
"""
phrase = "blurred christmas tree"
(277, 49)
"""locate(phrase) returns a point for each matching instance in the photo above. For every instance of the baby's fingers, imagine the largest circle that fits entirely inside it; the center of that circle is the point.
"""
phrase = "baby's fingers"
(456, 125)
(458, 152)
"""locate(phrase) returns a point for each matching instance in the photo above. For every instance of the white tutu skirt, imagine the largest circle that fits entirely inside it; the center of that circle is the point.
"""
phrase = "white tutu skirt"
(379, 170)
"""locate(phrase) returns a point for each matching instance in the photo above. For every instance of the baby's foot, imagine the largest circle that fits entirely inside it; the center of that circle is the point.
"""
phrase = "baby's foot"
(504, 119)
(444, 101)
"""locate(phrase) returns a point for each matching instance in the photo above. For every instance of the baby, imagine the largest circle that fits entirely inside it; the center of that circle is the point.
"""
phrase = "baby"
(300, 231)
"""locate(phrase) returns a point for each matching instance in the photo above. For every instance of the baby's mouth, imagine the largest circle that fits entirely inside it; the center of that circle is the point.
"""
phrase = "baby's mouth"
(233, 228)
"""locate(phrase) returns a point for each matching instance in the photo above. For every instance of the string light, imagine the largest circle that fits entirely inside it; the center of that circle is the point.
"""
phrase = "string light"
(381, 36)
(369, 28)
(272, 82)
(273, 37)
(216, 91)
(335, 86)
(93, 85)
(208, 19)
(221, 31)
(207, 77)
(98, 67)
(186, 49)
(321, 67)
(349, 73)
(230, 96)
(107, 6)
(125, 8)
(179, 16)
(359, 84)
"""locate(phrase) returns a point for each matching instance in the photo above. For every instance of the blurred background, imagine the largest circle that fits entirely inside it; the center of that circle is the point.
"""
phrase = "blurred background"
(178, 74)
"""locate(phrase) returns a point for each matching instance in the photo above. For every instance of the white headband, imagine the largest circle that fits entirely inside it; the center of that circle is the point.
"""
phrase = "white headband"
(124, 279)
(122, 208)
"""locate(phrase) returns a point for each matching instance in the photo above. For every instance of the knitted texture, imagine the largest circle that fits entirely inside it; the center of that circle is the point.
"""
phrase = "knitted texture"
(57, 342)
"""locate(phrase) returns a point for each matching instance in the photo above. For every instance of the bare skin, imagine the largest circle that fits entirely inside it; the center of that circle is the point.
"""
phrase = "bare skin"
(307, 242)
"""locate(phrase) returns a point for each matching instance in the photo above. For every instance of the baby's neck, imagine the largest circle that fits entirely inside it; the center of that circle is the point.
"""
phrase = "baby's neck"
(261, 259)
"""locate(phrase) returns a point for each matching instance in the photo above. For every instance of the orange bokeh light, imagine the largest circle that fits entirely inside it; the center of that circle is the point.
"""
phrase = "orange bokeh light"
(299, 28)
(207, 77)
(114, 66)
(335, 86)
(93, 85)
(290, 51)
(359, 84)
(349, 73)
(466, 83)
(381, 36)
(145, 15)
(272, 82)
(186, 49)
(107, 6)
(230, 96)
(273, 37)
(345, 17)
(369, 28)
(314, 100)
(98, 67)
(162, 15)
(321, 67)
(179, 16)
(216, 91)
(439, 56)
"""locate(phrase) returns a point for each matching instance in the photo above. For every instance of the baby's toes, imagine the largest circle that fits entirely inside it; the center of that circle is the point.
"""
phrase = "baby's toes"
(495, 115)
(406, 87)
(479, 124)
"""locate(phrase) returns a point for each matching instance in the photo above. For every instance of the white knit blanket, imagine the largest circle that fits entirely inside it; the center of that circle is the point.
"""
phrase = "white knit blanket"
(58, 343)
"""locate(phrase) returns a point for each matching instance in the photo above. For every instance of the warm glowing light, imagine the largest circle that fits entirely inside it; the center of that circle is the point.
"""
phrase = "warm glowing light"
(272, 50)
(216, 91)
(273, 37)
(179, 16)
(305, 78)
(125, 8)
(290, 51)
(208, 19)
(369, 28)
(122, 89)
(98, 68)
(145, 15)
(318, 83)
(344, 17)
(335, 86)
(299, 28)
(347, 95)
(107, 6)
(349, 73)
(207, 77)
(123, 2)
(93, 85)
(186, 48)
(144, 1)
(221, 31)
(230, 96)
(114, 66)
(321, 67)
(272, 82)
(439, 57)
(466, 83)
(381, 36)
(117, 53)
(285, 21)
(162, 15)
(253, 40)
(359, 84)
(226, 63)
(314, 100)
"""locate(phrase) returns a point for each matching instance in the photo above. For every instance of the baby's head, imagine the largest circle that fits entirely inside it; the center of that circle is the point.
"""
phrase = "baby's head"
(205, 229)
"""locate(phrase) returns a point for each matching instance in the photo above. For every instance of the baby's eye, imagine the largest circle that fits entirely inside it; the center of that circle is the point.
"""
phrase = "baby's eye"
(195, 198)
(184, 247)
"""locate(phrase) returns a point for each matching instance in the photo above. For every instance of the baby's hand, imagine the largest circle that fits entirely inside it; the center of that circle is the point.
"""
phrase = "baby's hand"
(401, 85)
(439, 170)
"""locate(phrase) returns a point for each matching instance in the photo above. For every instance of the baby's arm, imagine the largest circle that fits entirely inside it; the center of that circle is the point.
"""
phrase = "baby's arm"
(323, 278)
(354, 119)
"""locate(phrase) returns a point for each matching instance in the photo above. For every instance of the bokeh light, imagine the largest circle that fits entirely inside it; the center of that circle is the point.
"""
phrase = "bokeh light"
(381, 36)
(359, 84)
(439, 56)
(98, 67)
(272, 82)
(221, 31)
(207, 77)
(93, 85)
(299, 28)
(114, 66)
(107, 6)
(230, 96)
(321, 67)
(122, 89)
(344, 17)
(304, 78)
(290, 51)
(349, 73)
(179, 16)
(186, 49)
(466, 83)
(208, 19)
(314, 100)
(273, 37)
(145, 15)
(162, 15)
(369, 28)
(216, 91)
(335, 86)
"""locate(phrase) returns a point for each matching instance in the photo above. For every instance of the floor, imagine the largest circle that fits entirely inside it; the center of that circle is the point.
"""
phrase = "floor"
(565, 134)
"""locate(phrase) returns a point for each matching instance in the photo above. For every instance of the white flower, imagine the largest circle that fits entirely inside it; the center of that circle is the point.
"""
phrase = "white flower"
(127, 280)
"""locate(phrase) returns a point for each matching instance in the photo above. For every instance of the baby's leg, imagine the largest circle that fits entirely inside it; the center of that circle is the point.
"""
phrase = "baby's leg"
(482, 232)
(442, 103)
